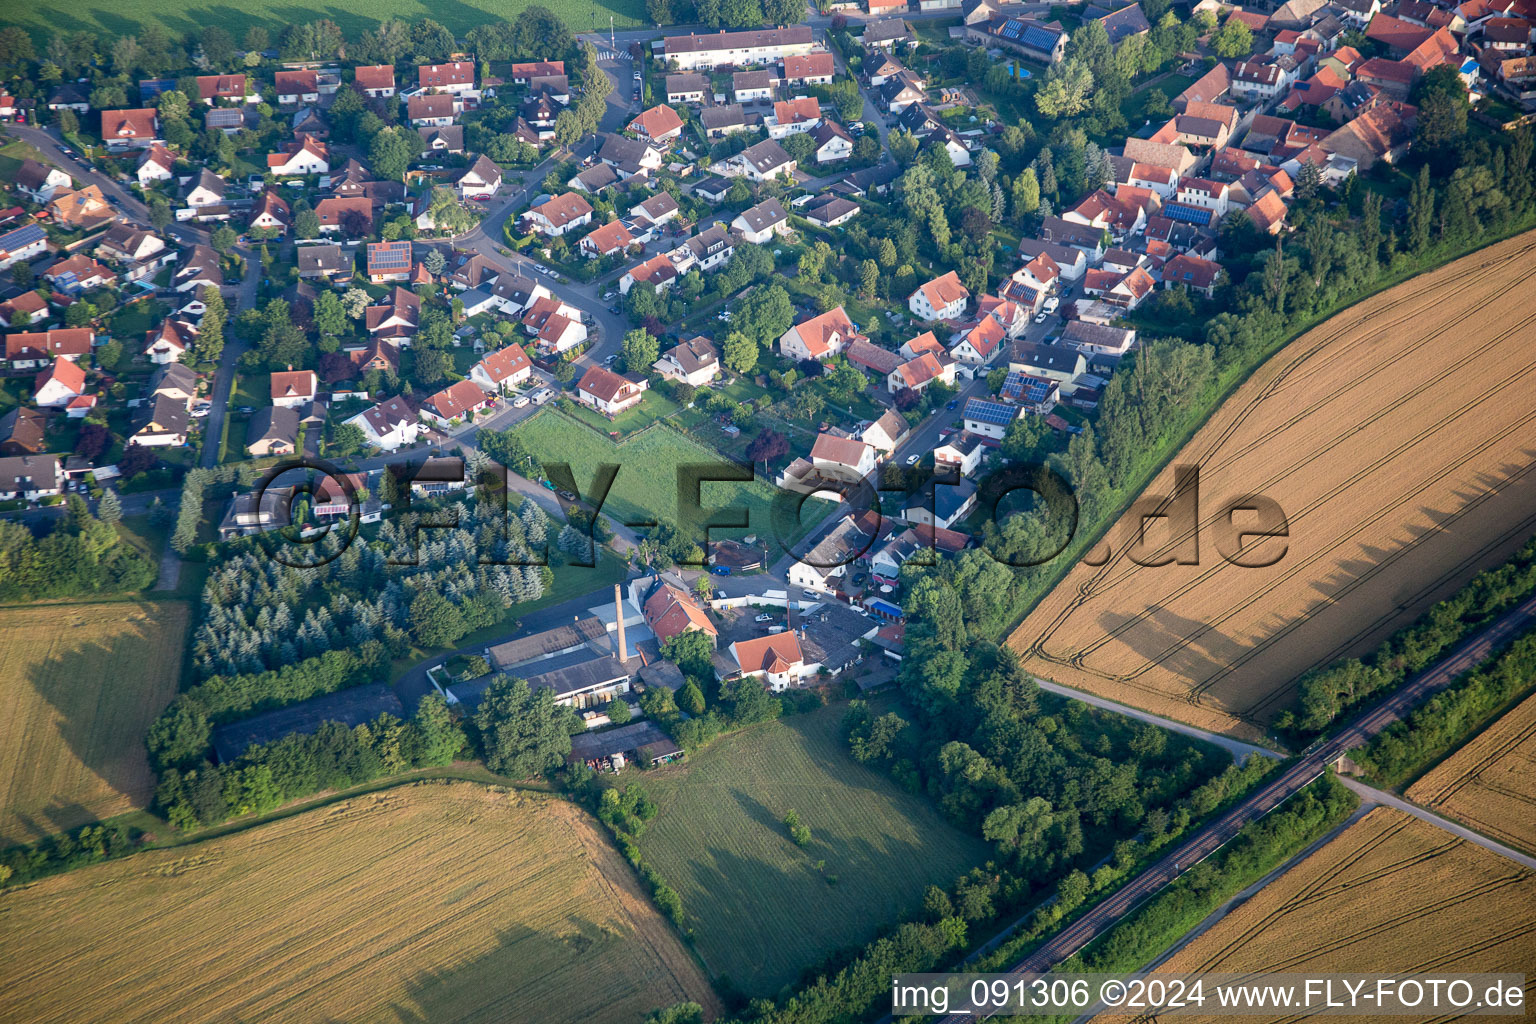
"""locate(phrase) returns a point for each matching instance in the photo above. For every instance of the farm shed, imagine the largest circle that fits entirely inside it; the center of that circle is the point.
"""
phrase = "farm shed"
(349, 707)
(642, 741)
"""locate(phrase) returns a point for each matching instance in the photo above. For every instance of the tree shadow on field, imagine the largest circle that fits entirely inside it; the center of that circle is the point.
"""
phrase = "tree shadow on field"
(1193, 651)
(105, 735)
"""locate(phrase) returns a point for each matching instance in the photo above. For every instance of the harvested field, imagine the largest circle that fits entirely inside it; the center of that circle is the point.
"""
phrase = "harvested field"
(433, 902)
(762, 909)
(1398, 438)
(1390, 895)
(79, 685)
(1491, 782)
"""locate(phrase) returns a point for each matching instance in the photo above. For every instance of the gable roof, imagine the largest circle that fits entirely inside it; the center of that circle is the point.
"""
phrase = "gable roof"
(660, 120)
(943, 290)
(374, 76)
(817, 332)
(456, 399)
(845, 451)
(670, 612)
(137, 123)
(603, 384)
(562, 209)
(764, 215)
(776, 652)
(505, 363)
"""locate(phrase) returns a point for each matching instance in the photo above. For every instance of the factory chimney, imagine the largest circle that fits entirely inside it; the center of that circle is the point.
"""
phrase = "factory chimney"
(618, 611)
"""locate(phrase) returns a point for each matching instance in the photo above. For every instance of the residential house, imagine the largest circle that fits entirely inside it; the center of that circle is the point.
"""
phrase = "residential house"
(430, 111)
(831, 211)
(351, 217)
(885, 434)
(1378, 134)
(560, 214)
(395, 320)
(482, 179)
(608, 392)
(389, 261)
(793, 116)
(457, 403)
(502, 370)
(886, 34)
(688, 88)
(833, 143)
(36, 349)
(231, 88)
(761, 222)
(296, 87)
(761, 162)
(808, 69)
(652, 213)
(78, 274)
(670, 611)
(23, 431)
(722, 120)
(775, 659)
(629, 157)
(660, 125)
(960, 453)
(130, 129)
(376, 81)
(917, 373)
(155, 164)
(389, 425)
(163, 423)
(29, 309)
(272, 430)
(455, 77)
(695, 362)
(744, 48)
(708, 250)
(165, 344)
(84, 208)
(1259, 80)
(1042, 41)
(941, 504)
(325, 262)
(1192, 273)
(821, 337)
(58, 385)
(22, 244)
(292, 389)
(39, 181)
(605, 240)
(1035, 281)
(271, 213)
(68, 96)
(658, 271)
(943, 298)
(1098, 339)
(978, 344)
(30, 477)
(1052, 362)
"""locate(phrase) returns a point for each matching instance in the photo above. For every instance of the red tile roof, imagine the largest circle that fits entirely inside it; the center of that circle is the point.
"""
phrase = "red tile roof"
(659, 121)
(777, 652)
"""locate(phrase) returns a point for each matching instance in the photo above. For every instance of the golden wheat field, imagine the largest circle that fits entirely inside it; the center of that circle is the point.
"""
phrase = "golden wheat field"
(79, 685)
(1389, 895)
(1491, 782)
(1398, 440)
(431, 902)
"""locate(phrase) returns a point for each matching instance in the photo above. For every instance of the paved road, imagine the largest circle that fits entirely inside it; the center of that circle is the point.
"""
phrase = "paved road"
(1239, 750)
(1309, 766)
(1372, 795)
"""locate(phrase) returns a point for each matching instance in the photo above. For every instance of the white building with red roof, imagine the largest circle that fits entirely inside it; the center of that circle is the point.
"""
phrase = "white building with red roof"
(943, 298)
(503, 369)
(58, 385)
(821, 337)
(455, 403)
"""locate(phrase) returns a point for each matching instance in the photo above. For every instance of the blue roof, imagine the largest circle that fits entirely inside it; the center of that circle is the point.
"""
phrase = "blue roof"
(1038, 38)
(986, 411)
(1019, 385)
(1187, 214)
(23, 236)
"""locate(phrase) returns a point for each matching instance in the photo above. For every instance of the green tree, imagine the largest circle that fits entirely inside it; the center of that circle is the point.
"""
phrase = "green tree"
(224, 239)
(1234, 39)
(618, 711)
(740, 353)
(110, 509)
(306, 224)
(869, 278)
(640, 350)
(435, 622)
(209, 343)
(390, 154)
(523, 733)
(691, 699)
(330, 317)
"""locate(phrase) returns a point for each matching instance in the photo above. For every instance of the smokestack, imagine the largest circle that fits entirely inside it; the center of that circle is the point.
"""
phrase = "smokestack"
(618, 610)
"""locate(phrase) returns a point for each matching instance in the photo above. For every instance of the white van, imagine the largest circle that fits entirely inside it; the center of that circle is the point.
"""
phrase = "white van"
(519, 401)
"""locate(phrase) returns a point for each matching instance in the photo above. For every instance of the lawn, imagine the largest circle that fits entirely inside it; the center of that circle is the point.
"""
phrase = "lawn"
(11, 156)
(646, 486)
(430, 902)
(354, 16)
(652, 407)
(762, 909)
(79, 685)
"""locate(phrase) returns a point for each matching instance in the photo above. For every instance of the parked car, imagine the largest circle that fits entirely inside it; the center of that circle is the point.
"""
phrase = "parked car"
(1041, 318)
(255, 182)
(952, 404)
(912, 459)
(777, 627)
(567, 495)
(721, 570)
(609, 360)
(765, 617)
(809, 593)
(520, 401)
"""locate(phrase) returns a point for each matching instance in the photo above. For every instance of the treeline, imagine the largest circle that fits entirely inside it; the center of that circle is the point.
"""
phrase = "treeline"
(1259, 848)
(1331, 691)
(66, 851)
(1407, 748)
(333, 757)
(79, 555)
(183, 733)
(626, 812)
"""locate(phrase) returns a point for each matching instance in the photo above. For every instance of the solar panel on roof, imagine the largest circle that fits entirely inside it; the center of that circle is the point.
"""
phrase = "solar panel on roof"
(1039, 38)
(983, 411)
(1187, 214)
(387, 255)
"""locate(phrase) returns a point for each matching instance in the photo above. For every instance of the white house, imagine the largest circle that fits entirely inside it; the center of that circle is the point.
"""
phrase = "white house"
(292, 389)
(609, 393)
(155, 164)
(833, 143)
(943, 298)
(389, 425)
(560, 214)
(457, 403)
(502, 370)
(59, 385)
(762, 162)
(30, 477)
(740, 49)
(480, 178)
(694, 362)
(821, 337)
(777, 659)
(761, 222)
(39, 181)
(307, 156)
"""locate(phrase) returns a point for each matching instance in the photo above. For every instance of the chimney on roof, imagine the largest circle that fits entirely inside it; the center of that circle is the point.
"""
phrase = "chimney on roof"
(618, 611)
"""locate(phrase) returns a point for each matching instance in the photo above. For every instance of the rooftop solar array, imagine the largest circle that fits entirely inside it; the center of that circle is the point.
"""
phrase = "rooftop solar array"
(1187, 214)
(985, 411)
(389, 255)
(13, 240)
(1021, 386)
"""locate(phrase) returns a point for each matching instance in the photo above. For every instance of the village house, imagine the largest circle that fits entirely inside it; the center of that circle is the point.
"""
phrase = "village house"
(395, 320)
(22, 244)
(657, 271)
(130, 129)
(272, 430)
(389, 425)
(695, 362)
(457, 403)
(296, 87)
(559, 214)
(761, 222)
(753, 46)
(775, 659)
(376, 81)
(31, 350)
(429, 111)
(821, 337)
(608, 392)
(660, 125)
(58, 385)
(388, 261)
(39, 181)
(502, 370)
(30, 477)
(761, 162)
(164, 345)
(793, 116)
(293, 389)
(943, 298)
